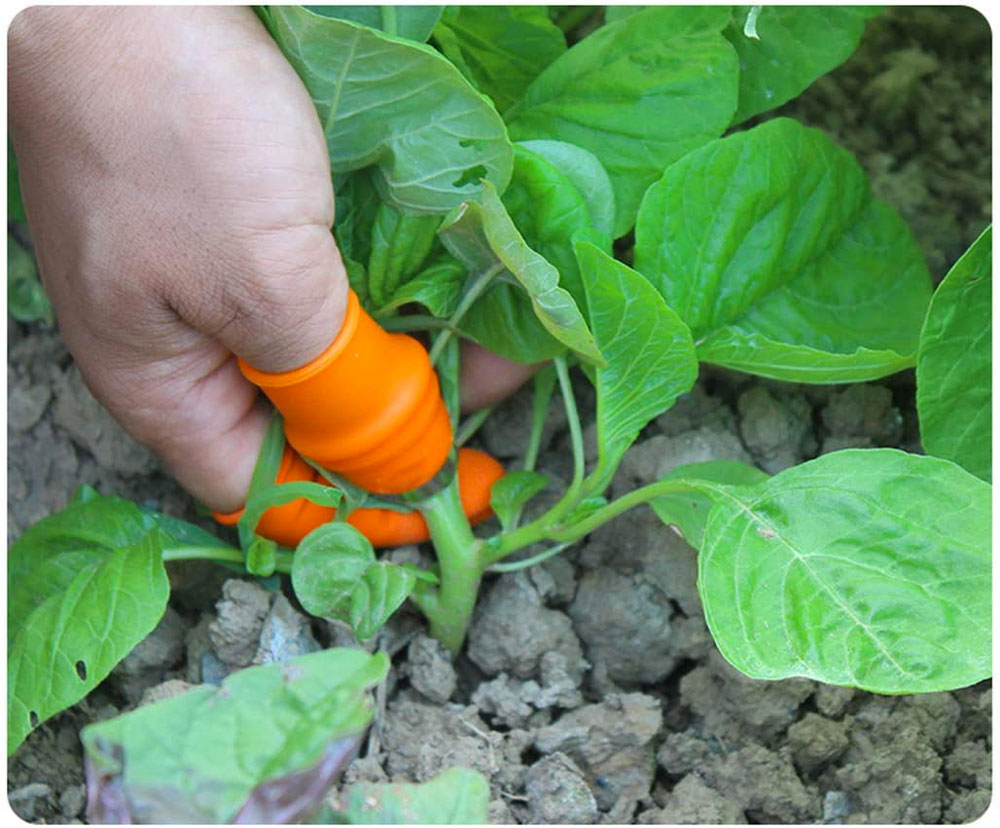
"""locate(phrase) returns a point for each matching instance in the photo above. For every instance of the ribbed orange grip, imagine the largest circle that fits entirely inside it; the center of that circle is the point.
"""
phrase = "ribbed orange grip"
(477, 472)
(369, 407)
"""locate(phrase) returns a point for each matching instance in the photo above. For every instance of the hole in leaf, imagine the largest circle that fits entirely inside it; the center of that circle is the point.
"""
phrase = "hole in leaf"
(474, 143)
(470, 176)
(33, 718)
(81, 670)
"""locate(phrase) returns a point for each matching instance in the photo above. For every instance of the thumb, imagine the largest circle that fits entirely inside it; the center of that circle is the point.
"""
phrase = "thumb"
(291, 306)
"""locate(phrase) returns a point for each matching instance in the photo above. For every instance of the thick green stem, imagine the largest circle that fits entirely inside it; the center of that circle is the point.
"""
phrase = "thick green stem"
(459, 554)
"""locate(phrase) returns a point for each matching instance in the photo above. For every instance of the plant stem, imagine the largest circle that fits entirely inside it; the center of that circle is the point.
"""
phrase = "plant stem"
(449, 611)
(471, 426)
(414, 322)
(575, 433)
(476, 289)
(548, 527)
(544, 382)
(513, 566)
(225, 554)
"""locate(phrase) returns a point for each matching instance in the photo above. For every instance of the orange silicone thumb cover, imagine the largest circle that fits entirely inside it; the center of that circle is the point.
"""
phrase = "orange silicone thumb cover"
(369, 407)
(477, 472)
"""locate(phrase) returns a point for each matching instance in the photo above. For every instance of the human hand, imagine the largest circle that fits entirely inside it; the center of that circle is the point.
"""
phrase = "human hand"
(177, 184)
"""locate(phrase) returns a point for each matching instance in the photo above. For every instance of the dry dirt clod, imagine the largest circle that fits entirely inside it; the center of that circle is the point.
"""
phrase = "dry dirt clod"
(95, 430)
(157, 653)
(235, 633)
(557, 793)
(430, 669)
(625, 624)
(816, 741)
(776, 425)
(612, 743)
(285, 634)
(692, 802)
(512, 630)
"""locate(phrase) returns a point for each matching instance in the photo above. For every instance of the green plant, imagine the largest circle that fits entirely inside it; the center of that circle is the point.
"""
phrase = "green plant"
(485, 180)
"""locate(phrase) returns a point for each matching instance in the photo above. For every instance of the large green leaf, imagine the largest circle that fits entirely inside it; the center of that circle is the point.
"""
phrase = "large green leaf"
(954, 363)
(457, 796)
(400, 244)
(262, 748)
(548, 209)
(638, 93)
(650, 356)
(867, 567)
(501, 49)
(483, 237)
(587, 174)
(412, 22)
(397, 105)
(689, 510)
(793, 46)
(769, 244)
(84, 586)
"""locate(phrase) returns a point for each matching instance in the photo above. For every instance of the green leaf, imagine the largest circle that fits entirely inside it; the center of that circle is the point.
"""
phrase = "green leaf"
(397, 105)
(769, 244)
(482, 236)
(688, 511)
(15, 204)
(357, 202)
(615, 13)
(357, 278)
(328, 563)
(412, 22)
(457, 796)
(281, 495)
(272, 452)
(501, 49)
(512, 491)
(548, 209)
(587, 174)
(504, 322)
(868, 568)
(84, 586)
(26, 299)
(177, 531)
(262, 748)
(794, 46)
(438, 288)
(649, 352)
(380, 592)
(638, 93)
(400, 244)
(954, 363)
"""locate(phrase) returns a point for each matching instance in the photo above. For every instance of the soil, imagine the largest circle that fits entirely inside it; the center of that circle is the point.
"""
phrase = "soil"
(590, 690)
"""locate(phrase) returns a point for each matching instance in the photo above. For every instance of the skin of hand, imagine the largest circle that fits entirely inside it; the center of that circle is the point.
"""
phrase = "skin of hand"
(177, 186)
